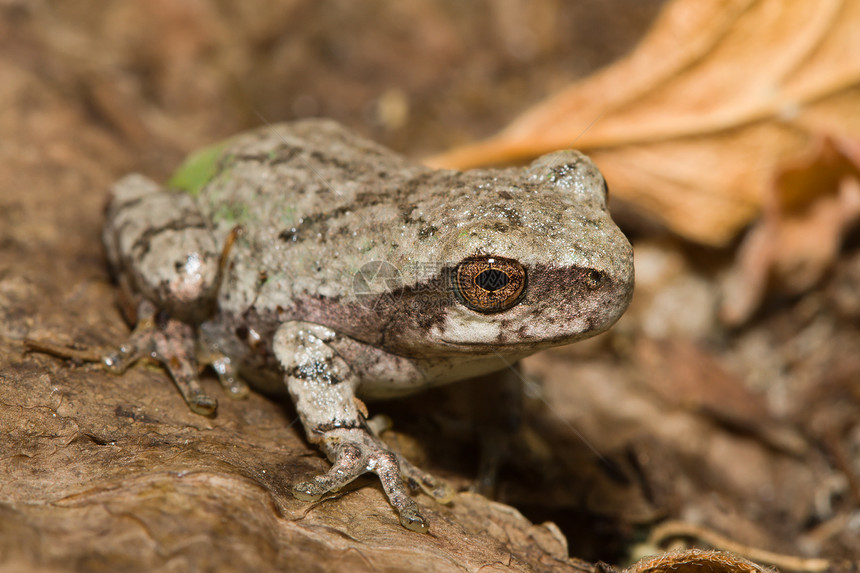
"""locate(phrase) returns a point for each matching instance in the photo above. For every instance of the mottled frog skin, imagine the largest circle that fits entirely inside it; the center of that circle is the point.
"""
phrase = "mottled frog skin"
(304, 257)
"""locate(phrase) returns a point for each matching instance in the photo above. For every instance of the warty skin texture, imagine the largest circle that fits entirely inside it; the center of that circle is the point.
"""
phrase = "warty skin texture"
(311, 259)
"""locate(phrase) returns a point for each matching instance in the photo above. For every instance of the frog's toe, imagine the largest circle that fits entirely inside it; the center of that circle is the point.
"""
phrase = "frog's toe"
(428, 483)
(237, 390)
(202, 403)
(62, 351)
(309, 491)
(414, 477)
(412, 520)
(230, 381)
(350, 462)
(385, 464)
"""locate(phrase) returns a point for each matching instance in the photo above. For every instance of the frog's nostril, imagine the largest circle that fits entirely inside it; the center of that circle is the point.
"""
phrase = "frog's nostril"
(593, 279)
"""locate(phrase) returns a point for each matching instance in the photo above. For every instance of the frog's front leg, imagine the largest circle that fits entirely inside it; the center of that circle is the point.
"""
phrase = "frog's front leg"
(322, 386)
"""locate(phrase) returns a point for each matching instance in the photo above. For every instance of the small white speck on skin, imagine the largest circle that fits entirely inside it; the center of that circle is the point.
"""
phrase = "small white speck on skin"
(192, 264)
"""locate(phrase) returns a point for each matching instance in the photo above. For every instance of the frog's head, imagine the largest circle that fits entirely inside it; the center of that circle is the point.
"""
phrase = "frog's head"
(535, 261)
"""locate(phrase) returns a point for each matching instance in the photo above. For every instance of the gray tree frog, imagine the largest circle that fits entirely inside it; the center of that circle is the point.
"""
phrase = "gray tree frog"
(302, 255)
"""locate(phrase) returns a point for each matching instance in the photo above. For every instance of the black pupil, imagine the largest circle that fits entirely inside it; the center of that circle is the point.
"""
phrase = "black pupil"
(492, 280)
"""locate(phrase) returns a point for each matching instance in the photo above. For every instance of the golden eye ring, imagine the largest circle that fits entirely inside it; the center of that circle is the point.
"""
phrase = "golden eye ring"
(489, 284)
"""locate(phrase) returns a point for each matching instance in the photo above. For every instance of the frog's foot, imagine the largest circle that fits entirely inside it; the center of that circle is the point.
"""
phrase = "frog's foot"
(428, 483)
(115, 360)
(174, 346)
(353, 452)
(235, 387)
(414, 476)
(171, 342)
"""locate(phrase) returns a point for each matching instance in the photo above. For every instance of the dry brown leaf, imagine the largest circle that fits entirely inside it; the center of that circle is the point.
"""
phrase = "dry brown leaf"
(685, 375)
(691, 126)
(695, 560)
(813, 202)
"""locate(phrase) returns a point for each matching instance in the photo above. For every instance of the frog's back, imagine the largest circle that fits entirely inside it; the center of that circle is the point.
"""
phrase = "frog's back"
(294, 178)
(313, 201)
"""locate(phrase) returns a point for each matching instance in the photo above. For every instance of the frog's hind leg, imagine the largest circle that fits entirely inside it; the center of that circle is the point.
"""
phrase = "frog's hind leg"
(171, 342)
(175, 346)
(163, 249)
(168, 259)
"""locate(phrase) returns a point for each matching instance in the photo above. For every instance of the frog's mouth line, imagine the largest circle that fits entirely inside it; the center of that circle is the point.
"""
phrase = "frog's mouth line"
(505, 343)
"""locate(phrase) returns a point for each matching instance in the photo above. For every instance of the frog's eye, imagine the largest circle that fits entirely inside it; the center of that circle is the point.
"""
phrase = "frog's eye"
(489, 284)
